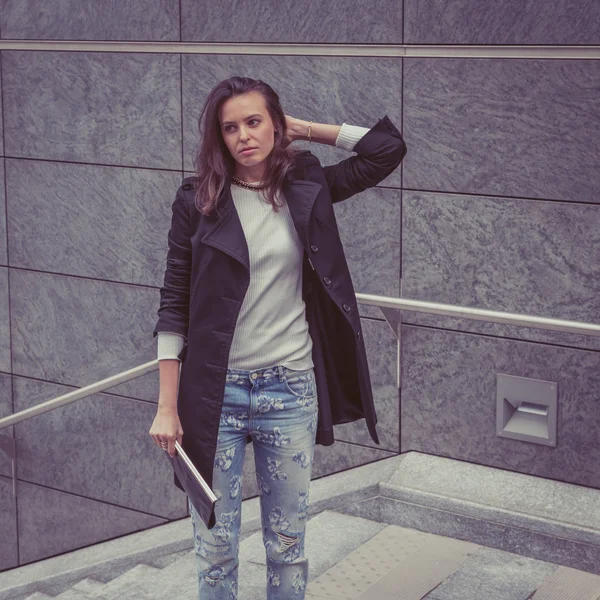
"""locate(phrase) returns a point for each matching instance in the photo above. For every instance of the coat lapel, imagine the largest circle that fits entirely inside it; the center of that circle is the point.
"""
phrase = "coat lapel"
(225, 231)
(301, 195)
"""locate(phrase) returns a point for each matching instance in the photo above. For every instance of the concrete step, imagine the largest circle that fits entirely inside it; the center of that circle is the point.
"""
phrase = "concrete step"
(130, 580)
(537, 518)
(73, 594)
(329, 537)
(398, 562)
(102, 562)
(89, 586)
(413, 565)
(179, 576)
(107, 560)
(160, 562)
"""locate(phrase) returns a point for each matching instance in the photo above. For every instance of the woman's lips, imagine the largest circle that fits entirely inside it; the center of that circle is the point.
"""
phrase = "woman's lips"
(248, 151)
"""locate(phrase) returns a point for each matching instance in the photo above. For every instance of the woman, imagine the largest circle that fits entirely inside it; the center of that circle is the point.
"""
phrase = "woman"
(258, 305)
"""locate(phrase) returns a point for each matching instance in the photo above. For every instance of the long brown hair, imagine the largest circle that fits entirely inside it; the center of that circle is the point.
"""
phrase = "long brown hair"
(213, 162)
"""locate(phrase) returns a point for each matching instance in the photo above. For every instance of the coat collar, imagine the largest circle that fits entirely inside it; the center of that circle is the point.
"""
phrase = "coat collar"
(225, 231)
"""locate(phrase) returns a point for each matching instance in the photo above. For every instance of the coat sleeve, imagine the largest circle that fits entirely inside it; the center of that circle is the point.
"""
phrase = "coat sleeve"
(379, 152)
(173, 312)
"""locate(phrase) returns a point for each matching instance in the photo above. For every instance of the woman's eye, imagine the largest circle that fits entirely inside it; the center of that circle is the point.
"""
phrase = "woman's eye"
(229, 129)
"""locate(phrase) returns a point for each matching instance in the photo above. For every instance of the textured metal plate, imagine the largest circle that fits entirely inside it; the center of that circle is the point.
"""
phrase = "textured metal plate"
(569, 584)
(396, 559)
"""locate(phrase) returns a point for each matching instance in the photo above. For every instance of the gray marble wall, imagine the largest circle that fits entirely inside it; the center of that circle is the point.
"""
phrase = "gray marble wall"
(496, 206)
(570, 22)
(501, 210)
(90, 164)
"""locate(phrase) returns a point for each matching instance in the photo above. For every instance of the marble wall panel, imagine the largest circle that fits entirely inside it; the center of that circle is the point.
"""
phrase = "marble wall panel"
(3, 240)
(96, 107)
(507, 22)
(520, 256)
(143, 20)
(448, 402)
(93, 221)
(342, 456)
(5, 397)
(5, 349)
(369, 225)
(78, 331)
(9, 557)
(144, 387)
(358, 91)
(98, 447)
(1, 115)
(504, 127)
(382, 355)
(52, 522)
(286, 21)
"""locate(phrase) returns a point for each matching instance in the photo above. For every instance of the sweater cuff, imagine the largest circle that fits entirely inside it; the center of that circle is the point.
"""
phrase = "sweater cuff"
(169, 344)
(349, 136)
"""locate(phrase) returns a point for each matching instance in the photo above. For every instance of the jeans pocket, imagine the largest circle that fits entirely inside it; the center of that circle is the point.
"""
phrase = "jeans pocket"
(300, 383)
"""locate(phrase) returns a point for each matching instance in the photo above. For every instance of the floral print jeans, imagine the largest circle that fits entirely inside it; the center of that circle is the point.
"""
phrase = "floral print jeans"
(278, 407)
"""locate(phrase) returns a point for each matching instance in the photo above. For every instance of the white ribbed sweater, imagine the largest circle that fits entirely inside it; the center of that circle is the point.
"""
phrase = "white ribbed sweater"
(271, 328)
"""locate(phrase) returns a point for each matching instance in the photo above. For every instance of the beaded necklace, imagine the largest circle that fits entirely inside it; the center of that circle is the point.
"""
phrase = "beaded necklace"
(247, 185)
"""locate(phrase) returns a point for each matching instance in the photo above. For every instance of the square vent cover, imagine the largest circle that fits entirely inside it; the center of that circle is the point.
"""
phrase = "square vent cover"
(526, 409)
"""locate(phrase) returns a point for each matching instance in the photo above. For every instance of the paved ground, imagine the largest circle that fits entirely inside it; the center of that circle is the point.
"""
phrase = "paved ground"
(390, 562)
(353, 558)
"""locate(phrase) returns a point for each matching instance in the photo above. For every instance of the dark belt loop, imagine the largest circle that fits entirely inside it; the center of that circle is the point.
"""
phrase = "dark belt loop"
(280, 372)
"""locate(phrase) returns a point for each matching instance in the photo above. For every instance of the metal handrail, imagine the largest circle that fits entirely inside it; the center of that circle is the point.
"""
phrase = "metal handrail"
(449, 310)
(469, 51)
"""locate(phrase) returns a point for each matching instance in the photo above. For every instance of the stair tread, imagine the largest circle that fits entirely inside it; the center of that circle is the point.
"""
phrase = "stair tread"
(160, 584)
(88, 585)
(73, 594)
(324, 544)
(160, 562)
(183, 571)
(131, 579)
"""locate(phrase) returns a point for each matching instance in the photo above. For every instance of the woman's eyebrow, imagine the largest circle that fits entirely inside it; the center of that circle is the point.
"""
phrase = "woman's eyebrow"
(233, 122)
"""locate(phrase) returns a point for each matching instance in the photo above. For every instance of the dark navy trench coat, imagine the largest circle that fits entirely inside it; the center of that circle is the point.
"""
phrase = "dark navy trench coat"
(207, 276)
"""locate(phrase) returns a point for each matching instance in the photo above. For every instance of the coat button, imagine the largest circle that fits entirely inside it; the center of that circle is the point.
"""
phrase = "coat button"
(327, 280)
(358, 335)
(346, 307)
(314, 248)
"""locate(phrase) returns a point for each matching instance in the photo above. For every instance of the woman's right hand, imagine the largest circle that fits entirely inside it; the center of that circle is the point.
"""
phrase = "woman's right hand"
(166, 427)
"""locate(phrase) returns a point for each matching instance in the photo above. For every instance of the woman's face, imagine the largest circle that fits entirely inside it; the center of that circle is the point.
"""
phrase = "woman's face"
(246, 123)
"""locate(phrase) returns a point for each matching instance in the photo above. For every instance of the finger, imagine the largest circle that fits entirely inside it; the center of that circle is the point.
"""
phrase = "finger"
(172, 448)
